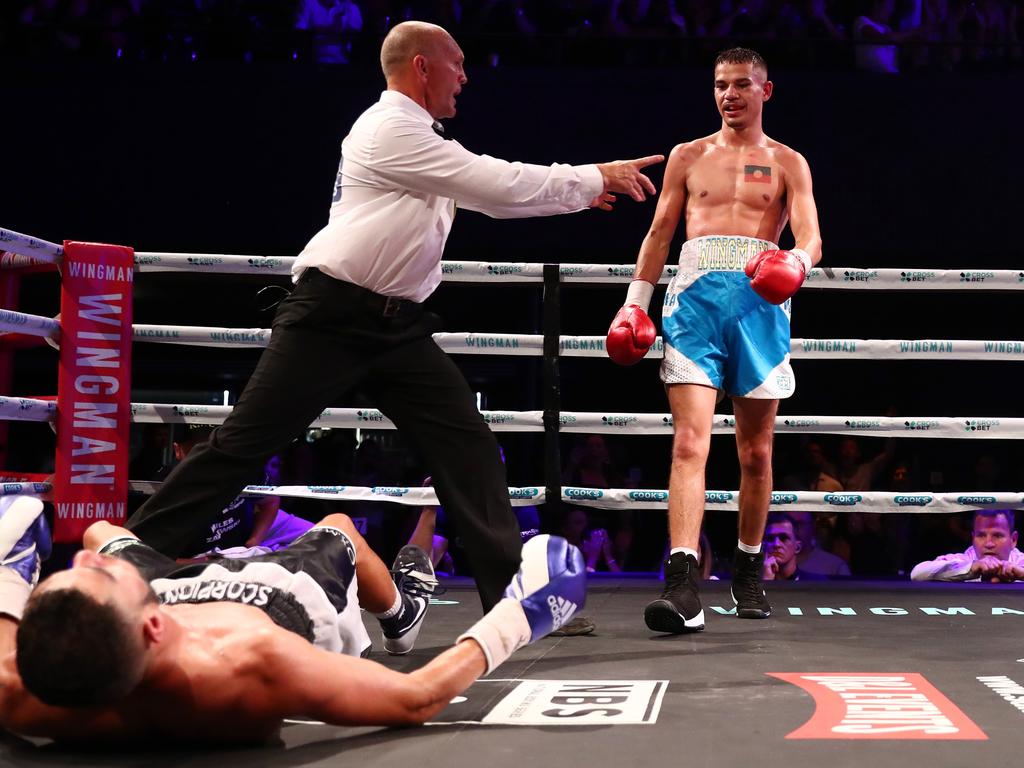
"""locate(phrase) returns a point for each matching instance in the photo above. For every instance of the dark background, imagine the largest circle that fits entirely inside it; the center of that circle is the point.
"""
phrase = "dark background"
(919, 170)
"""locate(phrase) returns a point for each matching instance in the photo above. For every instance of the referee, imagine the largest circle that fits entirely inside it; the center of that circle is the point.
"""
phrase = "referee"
(355, 317)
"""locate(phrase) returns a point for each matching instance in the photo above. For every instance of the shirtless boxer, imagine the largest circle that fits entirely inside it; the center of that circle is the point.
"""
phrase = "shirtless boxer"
(725, 321)
(220, 653)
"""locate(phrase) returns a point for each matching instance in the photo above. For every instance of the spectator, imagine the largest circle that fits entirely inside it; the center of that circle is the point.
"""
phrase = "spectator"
(875, 50)
(331, 24)
(781, 547)
(812, 559)
(815, 472)
(246, 523)
(854, 473)
(590, 465)
(992, 556)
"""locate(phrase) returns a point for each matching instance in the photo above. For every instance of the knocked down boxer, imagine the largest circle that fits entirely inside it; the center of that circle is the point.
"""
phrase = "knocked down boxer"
(221, 652)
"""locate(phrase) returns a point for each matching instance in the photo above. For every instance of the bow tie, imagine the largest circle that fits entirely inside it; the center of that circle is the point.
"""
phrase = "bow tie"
(439, 130)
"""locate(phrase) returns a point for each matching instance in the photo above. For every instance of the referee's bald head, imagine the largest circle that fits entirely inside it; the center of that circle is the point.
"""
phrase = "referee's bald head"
(408, 40)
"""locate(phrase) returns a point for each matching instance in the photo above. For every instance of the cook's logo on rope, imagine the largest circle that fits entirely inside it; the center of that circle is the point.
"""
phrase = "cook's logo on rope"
(850, 705)
(717, 497)
(389, 490)
(913, 501)
(784, 498)
(843, 499)
(971, 500)
(523, 493)
(584, 493)
(648, 495)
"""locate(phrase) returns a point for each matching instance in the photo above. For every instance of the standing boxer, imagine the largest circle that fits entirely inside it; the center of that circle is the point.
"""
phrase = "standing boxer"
(725, 321)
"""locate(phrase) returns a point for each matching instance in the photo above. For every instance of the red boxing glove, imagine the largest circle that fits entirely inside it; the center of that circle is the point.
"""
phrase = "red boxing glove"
(631, 334)
(776, 275)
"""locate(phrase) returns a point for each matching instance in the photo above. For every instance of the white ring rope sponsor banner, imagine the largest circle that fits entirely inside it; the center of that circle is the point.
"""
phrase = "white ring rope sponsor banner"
(523, 272)
(32, 325)
(524, 496)
(593, 346)
(34, 247)
(27, 409)
(623, 498)
(340, 418)
(984, 428)
(853, 501)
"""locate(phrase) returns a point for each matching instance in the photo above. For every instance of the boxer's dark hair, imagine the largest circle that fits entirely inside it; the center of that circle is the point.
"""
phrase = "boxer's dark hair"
(741, 56)
(73, 651)
(1007, 513)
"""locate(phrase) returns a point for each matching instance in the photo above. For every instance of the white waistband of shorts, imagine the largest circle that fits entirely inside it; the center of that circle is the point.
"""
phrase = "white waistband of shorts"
(720, 253)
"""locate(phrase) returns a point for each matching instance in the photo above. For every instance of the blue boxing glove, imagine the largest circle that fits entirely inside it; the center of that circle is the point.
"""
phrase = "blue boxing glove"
(24, 543)
(548, 589)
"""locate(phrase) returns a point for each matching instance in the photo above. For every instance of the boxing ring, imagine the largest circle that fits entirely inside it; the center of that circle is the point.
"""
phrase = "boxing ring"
(896, 664)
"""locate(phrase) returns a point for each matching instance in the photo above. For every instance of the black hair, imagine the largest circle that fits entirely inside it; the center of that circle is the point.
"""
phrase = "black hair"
(1007, 513)
(74, 651)
(778, 518)
(741, 56)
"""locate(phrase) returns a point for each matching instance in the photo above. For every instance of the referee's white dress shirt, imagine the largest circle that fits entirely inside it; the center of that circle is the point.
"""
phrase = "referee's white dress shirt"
(395, 196)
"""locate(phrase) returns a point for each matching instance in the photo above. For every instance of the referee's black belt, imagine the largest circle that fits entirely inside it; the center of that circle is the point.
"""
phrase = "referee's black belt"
(375, 303)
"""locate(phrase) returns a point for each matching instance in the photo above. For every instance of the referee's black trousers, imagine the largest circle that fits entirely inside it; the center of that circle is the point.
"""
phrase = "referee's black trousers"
(330, 337)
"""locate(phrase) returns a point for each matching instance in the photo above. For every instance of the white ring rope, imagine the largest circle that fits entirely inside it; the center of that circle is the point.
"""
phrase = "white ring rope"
(484, 271)
(32, 325)
(958, 427)
(26, 245)
(524, 272)
(570, 346)
(593, 346)
(617, 498)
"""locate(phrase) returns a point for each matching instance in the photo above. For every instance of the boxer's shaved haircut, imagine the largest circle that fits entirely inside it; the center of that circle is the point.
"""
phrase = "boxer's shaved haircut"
(742, 56)
(407, 40)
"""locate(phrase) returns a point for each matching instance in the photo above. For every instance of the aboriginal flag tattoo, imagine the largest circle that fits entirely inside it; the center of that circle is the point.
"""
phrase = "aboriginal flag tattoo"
(758, 174)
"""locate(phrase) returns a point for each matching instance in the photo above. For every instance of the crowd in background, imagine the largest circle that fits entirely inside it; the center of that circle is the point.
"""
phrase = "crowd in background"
(855, 544)
(878, 35)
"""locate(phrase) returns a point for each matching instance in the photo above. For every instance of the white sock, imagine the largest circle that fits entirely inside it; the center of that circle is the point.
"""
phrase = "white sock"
(685, 551)
(748, 548)
(395, 609)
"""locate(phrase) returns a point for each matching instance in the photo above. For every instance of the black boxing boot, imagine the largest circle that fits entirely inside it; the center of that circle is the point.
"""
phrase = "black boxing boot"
(747, 586)
(678, 610)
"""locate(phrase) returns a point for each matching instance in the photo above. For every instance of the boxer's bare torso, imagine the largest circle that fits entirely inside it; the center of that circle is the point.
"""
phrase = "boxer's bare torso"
(735, 190)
